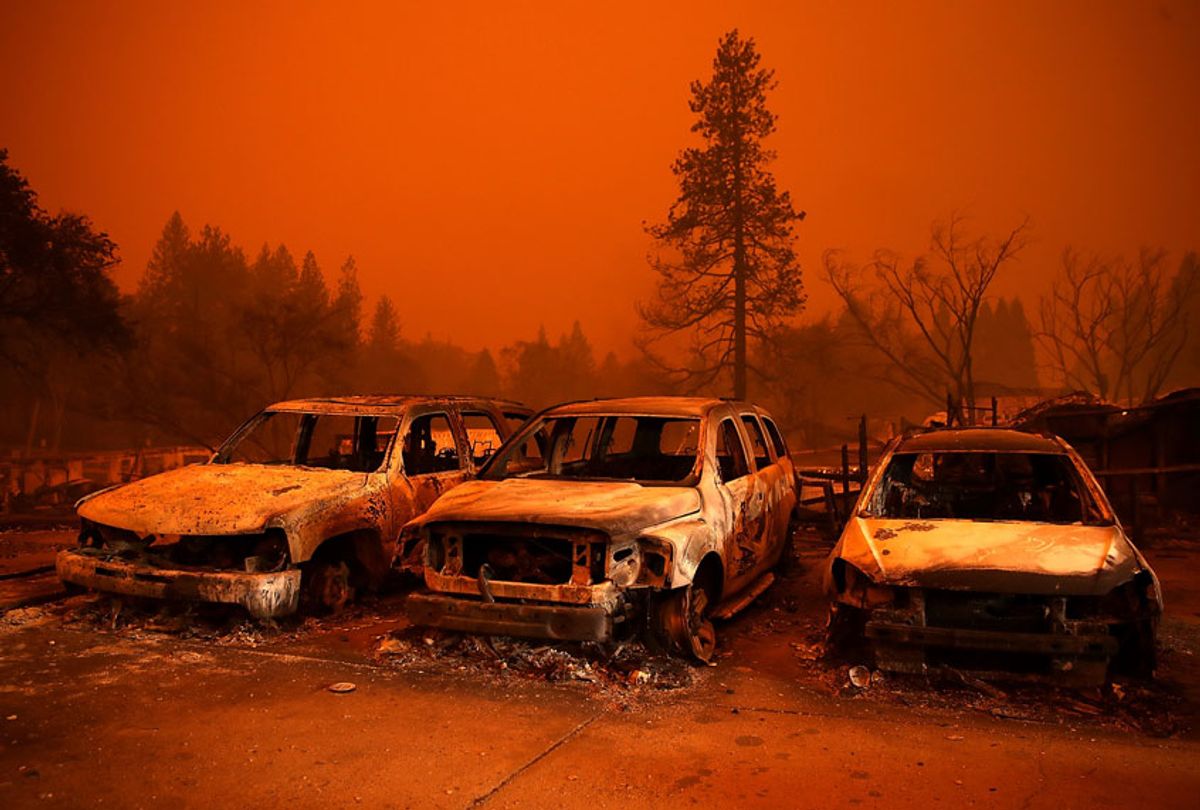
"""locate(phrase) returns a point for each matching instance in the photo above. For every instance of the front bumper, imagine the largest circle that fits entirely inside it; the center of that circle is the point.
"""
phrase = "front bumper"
(560, 622)
(264, 595)
(1090, 645)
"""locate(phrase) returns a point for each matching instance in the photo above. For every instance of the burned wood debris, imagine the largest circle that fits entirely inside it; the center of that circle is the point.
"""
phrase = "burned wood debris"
(1147, 457)
(621, 670)
(846, 670)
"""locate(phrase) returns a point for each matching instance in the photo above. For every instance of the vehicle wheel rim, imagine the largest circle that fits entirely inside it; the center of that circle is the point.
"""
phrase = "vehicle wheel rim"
(338, 590)
(331, 586)
(702, 635)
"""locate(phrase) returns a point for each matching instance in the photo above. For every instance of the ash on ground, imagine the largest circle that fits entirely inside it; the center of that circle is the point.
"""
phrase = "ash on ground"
(210, 623)
(1156, 708)
(624, 668)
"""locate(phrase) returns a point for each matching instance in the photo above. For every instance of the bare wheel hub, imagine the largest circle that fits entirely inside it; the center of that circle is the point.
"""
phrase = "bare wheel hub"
(682, 620)
(328, 587)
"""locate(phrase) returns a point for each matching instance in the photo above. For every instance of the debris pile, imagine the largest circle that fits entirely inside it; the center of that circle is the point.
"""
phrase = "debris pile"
(212, 623)
(1150, 708)
(622, 667)
(1156, 708)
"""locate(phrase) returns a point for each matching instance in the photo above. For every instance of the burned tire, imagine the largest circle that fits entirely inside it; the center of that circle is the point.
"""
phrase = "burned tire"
(787, 555)
(846, 633)
(326, 586)
(71, 589)
(680, 622)
(1137, 654)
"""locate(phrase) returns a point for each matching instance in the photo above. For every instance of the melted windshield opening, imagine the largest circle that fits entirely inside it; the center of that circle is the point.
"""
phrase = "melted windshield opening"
(324, 440)
(1037, 487)
(645, 449)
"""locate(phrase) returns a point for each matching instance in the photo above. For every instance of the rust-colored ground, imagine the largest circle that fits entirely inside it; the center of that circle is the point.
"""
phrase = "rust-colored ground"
(202, 709)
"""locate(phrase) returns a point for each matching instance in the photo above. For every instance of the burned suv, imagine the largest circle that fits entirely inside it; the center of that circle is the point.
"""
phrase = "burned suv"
(599, 516)
(993, 550)
(303, 503)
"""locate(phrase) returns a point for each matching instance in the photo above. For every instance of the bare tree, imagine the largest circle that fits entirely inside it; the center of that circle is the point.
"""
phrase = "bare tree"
(1115, 327)
(921, 315)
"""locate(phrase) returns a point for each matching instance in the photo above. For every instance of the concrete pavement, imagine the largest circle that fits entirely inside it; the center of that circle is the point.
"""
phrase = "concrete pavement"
(141, 716)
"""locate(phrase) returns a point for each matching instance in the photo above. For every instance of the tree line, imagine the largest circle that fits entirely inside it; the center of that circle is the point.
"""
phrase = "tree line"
(922, 331)
(210, 334)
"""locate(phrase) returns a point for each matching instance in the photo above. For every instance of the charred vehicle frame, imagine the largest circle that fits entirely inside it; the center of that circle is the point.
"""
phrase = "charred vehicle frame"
(302, 504)
(603, 518)
(993, 550)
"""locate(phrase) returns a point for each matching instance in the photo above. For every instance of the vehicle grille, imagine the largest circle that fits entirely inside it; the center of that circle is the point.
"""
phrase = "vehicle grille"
(1015, 613)
(242, 552)
(534, 560)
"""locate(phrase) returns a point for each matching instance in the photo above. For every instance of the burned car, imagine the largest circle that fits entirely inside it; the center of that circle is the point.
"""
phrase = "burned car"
(604, 518)
(303, 503)
(992, 550)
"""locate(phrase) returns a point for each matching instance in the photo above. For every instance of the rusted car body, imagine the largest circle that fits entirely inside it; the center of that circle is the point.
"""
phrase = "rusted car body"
(993, 550)
(305, 500)
(603, 518)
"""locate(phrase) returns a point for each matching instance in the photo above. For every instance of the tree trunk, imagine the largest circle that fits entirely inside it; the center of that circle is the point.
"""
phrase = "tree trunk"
(739, 324)
(739, 262)
(31, 436)
(969, 395)
(59, 403)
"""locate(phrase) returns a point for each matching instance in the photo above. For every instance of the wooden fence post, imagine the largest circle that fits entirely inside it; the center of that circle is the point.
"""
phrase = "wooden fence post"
(862, 449)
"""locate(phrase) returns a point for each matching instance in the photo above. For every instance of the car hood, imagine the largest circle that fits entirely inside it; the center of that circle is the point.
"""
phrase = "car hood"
(613, 507)
(995, 556)
(217, 498)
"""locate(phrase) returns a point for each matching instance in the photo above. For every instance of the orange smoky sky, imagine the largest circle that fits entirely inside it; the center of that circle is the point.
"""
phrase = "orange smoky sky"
(490, 166)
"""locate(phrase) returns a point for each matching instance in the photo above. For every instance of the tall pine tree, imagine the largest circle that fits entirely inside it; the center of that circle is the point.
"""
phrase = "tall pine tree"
(732, 275)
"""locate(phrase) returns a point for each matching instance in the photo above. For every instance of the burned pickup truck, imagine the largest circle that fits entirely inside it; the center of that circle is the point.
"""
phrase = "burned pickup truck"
(996, 551)
(601, 519)
(302, 504)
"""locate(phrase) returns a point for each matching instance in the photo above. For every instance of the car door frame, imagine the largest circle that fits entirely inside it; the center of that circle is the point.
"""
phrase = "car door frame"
(778, 496)
(737, 498)
(499, 421)
(422, 485)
